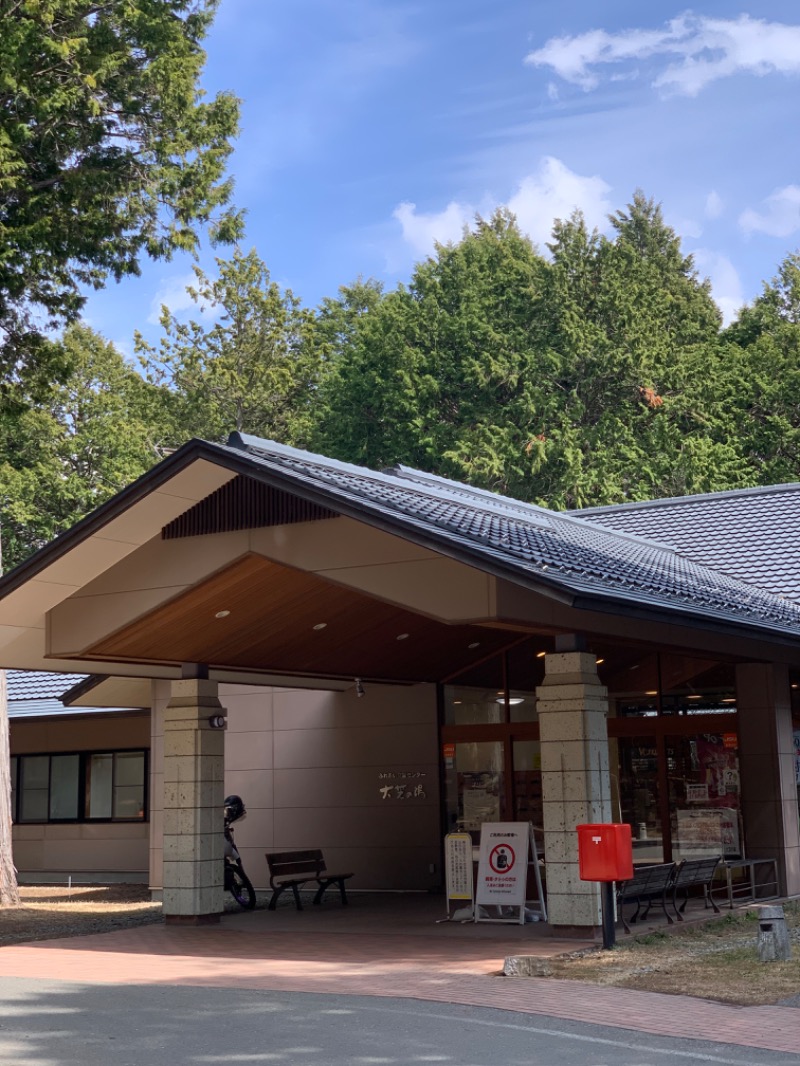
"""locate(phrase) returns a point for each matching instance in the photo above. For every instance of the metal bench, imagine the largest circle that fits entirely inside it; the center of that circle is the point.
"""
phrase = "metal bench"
(649, 883)
(293, 869)
(691, 873)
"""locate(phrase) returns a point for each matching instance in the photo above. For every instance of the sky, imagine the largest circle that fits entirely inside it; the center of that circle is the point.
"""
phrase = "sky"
(373, 128)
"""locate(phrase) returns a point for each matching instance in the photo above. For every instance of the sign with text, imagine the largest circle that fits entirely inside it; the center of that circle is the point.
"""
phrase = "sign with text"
(503, 870)
(458, 866)
(705, 833)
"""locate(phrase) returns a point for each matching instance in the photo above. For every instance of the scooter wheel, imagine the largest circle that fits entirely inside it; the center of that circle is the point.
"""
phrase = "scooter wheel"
(241, 890)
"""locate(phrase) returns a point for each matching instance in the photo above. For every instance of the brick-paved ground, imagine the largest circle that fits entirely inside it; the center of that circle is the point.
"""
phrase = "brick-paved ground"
(363, 952)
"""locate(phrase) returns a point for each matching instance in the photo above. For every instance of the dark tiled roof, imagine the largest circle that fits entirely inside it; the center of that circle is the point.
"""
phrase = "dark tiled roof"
(38, 684)
(37, 693)
(527, 543)
(749, 534)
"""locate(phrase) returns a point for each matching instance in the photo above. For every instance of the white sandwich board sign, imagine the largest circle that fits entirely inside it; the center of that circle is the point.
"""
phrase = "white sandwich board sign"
(505, 851)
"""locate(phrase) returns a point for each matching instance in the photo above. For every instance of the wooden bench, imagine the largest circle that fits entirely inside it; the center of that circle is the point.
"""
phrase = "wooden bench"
(293, 869)
(691, 873)
(648, 883)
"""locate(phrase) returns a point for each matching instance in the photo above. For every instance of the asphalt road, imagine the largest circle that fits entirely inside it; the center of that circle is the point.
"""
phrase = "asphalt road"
(66, 1024)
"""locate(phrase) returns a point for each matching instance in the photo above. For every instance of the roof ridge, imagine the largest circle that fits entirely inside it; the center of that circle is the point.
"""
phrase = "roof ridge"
(675, 501)
(433, 484)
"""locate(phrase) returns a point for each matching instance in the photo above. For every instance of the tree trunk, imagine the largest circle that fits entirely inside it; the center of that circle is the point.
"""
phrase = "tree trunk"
(9, 893)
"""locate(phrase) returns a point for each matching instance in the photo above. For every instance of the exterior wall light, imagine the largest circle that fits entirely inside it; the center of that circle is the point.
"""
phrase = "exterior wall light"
(218, 721)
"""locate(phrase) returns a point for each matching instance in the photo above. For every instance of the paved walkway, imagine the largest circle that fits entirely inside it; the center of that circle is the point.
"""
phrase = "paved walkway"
(355, 951)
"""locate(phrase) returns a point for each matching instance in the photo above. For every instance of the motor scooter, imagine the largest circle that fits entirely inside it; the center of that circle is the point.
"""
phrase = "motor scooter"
(236, 880)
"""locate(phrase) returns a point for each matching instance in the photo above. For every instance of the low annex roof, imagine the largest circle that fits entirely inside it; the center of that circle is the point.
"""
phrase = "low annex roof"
(36, 693)
(749, 534)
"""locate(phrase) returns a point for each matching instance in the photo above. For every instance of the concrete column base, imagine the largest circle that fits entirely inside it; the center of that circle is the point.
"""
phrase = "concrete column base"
(192, 919)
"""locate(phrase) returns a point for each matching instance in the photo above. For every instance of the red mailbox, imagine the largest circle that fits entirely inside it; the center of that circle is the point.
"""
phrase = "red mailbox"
(605, 852)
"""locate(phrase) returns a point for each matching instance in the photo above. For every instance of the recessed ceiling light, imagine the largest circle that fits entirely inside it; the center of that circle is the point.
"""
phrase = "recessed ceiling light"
(598, 661)
(402, 636)
(540, 654)
(652, 692)
(694, 697)
(730, 699)
(320, 625)
(795, 686)
(456, 701)
(222, 614)
(474, 644)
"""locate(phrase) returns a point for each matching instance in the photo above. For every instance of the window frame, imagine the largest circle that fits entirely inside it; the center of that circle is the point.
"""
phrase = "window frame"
(84, 763)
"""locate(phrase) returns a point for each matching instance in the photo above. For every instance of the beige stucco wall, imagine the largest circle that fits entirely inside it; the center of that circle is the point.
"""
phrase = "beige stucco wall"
(44, 852)
(309, 767)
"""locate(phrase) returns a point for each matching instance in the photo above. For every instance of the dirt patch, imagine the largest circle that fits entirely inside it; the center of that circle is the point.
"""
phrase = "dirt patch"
(48, 912)
(717, 959)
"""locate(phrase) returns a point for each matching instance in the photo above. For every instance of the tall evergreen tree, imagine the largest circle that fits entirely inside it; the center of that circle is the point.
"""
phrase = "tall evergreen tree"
(107, 153)
(251, 366)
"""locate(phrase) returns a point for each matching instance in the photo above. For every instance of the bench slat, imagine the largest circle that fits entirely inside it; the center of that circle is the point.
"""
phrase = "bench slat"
(293, 869)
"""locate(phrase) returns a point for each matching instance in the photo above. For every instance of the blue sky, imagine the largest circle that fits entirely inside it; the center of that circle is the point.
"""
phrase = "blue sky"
(372, 128)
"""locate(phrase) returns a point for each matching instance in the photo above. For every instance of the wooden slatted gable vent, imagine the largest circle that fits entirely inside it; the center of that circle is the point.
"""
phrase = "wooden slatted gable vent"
(243, 504)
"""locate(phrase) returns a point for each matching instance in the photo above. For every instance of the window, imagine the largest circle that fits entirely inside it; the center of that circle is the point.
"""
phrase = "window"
(79, 787)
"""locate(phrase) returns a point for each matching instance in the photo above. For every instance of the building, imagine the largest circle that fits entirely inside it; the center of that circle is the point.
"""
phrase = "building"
(82, 814)
(398, 655)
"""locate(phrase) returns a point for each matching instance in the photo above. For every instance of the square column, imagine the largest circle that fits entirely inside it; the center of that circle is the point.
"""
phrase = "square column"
(573, 708)
(766, 765)
(194, 755)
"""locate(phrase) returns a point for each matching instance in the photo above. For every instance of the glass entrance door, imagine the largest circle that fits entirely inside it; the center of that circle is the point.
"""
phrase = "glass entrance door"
(475, 785)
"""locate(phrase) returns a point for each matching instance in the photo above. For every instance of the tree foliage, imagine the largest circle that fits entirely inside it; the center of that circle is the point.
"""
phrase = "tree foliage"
(107, 152)
(84, 440)
(434, 374)
(580, 378)
(249, 367)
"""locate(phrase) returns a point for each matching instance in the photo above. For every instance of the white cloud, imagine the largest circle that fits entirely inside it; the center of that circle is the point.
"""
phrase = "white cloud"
(781, 215)
(423, 231)
(694, 52)
(173, 294)
(553, 191)
(726, 285)
(714, 205)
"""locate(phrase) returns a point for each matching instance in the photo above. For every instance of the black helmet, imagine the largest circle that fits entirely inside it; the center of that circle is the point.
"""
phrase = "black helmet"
(234, 808)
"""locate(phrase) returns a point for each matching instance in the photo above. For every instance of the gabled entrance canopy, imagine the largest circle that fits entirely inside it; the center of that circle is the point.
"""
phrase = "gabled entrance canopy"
(271, 564)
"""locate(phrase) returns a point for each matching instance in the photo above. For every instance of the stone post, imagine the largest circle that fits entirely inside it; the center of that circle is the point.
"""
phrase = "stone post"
(573, 707)
(766, 765)
(193, 794)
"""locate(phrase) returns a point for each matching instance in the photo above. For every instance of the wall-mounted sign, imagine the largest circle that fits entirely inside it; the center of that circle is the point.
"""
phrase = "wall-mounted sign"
(405, 785)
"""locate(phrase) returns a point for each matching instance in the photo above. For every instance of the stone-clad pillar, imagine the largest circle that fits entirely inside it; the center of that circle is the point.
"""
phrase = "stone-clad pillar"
(193, 794)
(766, 766)
(573, 707)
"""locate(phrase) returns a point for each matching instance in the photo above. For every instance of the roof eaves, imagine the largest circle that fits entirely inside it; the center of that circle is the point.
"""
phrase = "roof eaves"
(562, 587)
(105, 513)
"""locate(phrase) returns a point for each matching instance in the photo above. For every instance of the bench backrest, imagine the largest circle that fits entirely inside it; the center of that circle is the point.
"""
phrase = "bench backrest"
(293, 863)
(648, 879)
(696, 871)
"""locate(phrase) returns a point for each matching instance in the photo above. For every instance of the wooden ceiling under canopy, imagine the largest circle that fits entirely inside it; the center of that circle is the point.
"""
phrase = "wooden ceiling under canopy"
(261, 615)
